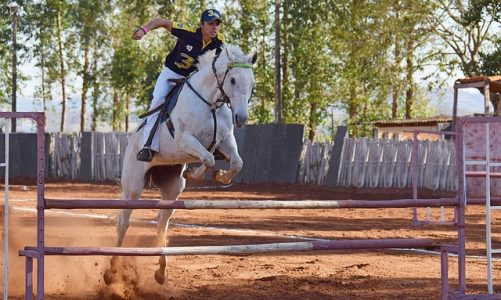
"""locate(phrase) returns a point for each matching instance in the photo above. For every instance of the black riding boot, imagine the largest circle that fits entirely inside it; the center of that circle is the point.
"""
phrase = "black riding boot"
(146, 154)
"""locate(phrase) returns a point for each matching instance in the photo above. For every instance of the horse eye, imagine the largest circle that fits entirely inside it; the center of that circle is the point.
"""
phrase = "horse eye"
(232, 80)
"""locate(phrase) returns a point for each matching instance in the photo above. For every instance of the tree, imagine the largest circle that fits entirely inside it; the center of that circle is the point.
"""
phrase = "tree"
(248, 24)
(470, 35)
(465, 27)
(90, 16)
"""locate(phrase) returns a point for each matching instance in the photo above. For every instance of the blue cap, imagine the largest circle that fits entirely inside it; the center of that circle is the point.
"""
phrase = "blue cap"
(210, 15)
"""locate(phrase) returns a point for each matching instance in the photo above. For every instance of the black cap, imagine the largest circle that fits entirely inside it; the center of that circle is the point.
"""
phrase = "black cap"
(210, 15)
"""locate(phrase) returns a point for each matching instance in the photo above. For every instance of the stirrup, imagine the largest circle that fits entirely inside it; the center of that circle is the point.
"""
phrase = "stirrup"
(146, 154)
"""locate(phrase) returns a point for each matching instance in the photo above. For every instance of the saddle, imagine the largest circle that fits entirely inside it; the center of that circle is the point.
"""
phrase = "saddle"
(168, 105)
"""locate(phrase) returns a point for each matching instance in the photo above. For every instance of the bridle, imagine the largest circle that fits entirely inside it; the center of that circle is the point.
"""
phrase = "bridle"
(223, 99)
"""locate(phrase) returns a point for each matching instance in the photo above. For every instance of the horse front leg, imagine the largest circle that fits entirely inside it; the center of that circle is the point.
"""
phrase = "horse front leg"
(192, 146)
(229, 148)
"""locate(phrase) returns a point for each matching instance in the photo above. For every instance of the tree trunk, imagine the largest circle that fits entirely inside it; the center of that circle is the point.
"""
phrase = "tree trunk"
(62, 67)
(126, 114)
(398, 59)
(42, 69)
(311, 122)
(116, 111)
(285, 59)
(95, 87)
(409, 94)
(278, 86)
(85, 83)
(352, 107)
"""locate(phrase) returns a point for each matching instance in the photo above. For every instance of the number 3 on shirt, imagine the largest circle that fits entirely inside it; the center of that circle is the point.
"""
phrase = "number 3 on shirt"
(186, 63)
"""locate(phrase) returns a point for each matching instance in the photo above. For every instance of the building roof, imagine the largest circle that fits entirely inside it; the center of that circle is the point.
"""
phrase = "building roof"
(494, 81)
(413, 122)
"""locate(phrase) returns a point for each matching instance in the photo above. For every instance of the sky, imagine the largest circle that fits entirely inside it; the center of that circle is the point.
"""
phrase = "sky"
(470, 101)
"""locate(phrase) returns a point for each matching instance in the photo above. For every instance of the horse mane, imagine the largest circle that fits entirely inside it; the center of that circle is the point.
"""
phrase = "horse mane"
(206, 58)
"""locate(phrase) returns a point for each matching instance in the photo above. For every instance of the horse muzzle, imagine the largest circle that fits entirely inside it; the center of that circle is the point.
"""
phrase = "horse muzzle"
(239, 120)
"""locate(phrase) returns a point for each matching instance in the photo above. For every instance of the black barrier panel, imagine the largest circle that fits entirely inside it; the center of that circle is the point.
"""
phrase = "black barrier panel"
(331, 179)
(85, 171)
(286, 151)
(23, 154)
(248, 153)
(271, 153)
(27, 144)
(263, 137)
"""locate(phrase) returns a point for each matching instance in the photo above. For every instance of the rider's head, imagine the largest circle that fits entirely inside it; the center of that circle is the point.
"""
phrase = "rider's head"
(210, 15)
(210, 22)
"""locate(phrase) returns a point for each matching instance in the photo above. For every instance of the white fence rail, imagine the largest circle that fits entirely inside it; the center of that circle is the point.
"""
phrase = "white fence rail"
(314, 162)
(382, 163)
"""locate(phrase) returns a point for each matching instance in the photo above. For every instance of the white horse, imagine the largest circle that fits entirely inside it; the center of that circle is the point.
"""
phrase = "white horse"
(216, 96)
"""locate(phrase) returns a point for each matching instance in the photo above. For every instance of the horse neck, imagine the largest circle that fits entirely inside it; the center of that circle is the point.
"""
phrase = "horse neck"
(204, 82)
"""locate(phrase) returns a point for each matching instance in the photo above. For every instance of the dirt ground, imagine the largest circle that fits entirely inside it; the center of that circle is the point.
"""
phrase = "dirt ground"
(389, 274)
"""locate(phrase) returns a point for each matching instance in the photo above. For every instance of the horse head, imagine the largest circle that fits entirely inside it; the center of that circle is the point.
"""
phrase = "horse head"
(238, 80)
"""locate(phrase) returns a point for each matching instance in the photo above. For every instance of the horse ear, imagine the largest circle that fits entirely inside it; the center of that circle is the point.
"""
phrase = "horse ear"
(252, 58)
(231, 56)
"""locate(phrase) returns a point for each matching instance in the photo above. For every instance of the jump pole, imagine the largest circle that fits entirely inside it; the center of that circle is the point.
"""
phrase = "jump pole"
(247, 204)
(240, 249)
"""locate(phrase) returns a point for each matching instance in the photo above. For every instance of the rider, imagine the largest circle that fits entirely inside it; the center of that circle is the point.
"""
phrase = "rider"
(179, 63)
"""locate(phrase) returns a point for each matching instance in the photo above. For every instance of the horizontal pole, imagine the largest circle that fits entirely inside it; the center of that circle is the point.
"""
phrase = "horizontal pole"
(470, 85)
(29, 253)
(240, 249)
(248, 204)
(449, 248)
(459, 296)
(482, 174)
(481, 201)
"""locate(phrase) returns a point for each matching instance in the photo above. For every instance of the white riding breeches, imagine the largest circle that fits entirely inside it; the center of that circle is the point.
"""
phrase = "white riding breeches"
(162, 88)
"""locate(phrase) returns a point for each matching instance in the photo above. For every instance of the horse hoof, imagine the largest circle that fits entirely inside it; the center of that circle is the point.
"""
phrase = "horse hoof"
(160, 276)
(215, 174)
(108, 277)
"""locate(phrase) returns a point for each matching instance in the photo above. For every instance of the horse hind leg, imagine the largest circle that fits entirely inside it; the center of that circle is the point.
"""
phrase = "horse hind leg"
(196, 174)
(132, 186)
(169, 181)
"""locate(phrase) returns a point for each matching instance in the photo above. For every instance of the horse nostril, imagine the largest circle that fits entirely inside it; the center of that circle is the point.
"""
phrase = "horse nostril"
(240, 120)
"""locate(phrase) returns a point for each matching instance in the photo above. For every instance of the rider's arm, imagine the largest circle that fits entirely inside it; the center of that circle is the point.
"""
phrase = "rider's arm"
(151, 25)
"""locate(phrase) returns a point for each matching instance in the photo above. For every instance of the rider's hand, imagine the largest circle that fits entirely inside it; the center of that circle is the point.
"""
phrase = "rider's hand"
(139, 33)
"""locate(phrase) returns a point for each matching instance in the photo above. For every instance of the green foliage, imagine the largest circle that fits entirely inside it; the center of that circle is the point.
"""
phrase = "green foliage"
(372, 60)
(491, 62)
